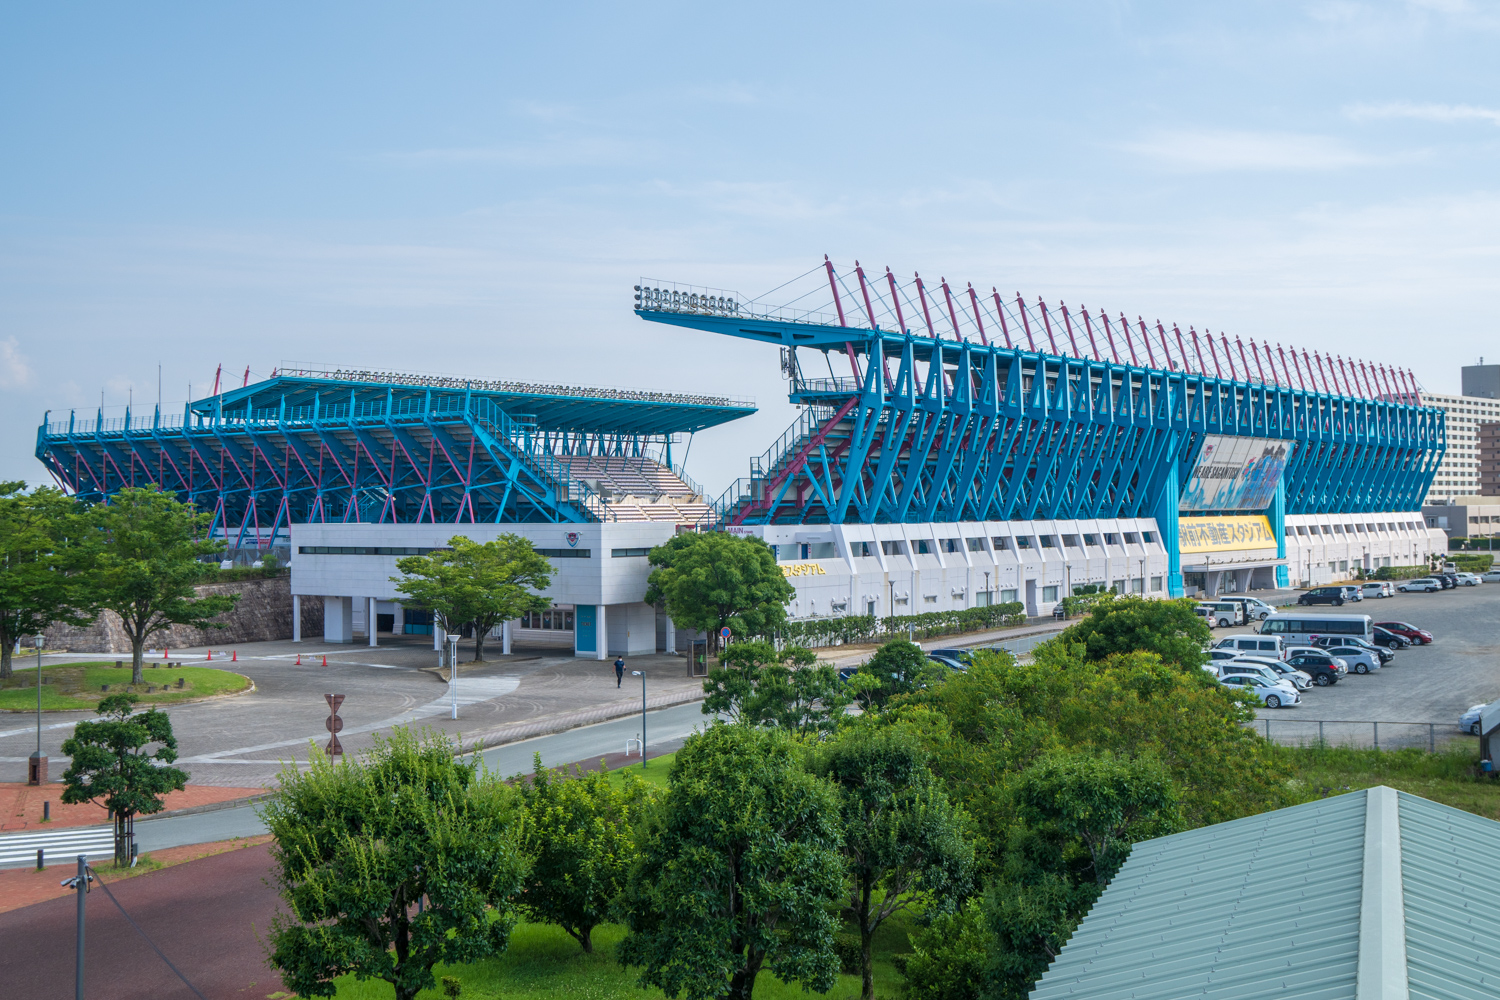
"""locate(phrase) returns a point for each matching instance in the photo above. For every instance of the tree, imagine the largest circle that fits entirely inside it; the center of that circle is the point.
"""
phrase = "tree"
(148, 564)
(113, 767)
(761, 685)
(1132, 624)
(738, 871)
(580, 838)
(408, 857)
(711, 580)
(477, 583)
(899, 667)
(904, 842)
(42, 539)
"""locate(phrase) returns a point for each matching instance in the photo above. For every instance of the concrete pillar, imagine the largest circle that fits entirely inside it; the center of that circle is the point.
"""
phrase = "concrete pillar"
(296, 617)
(437, 637)
(400, 626)
(601, 641)
(505, 636)
(338, 619)
(370, 619)
(671, 635)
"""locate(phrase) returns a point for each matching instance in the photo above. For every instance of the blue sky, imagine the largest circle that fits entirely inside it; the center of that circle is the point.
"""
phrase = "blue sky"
(473, 188)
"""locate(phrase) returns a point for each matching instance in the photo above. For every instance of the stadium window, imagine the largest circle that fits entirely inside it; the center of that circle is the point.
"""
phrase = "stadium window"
(894, 548)
(818, 550)
(1001, 543)
(1301, 530)
(1156, 585)
(1023, 541)
(564, 553)
(628, 553)
(1007, 597)
(1118, 586)
(1049, 594)
(975, 544)
(1048, 541)
(1148, 537)
(1070, 541)
(922, 547)
(1130, 538)
(953, 545)
(1111, 538)
(1138, 585)
(366, 550)
(1090, 540)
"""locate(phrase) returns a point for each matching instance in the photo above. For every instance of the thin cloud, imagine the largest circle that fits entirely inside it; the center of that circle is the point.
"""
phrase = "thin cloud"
(1424, 112)
(559, 152)
(1210, 150)
(15, 371)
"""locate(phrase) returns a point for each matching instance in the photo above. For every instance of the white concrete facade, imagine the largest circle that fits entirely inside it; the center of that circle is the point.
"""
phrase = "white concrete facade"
(1327, 548)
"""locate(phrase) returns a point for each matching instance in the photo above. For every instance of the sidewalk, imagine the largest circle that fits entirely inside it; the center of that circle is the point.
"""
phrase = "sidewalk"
(21, 805)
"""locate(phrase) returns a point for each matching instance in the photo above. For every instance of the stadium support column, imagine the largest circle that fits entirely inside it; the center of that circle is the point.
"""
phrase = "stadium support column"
(1277, 517)
(296, 617)
(1167, 496)
(601, 642)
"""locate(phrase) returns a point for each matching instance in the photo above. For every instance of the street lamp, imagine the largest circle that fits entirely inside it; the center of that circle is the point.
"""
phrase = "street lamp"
(38, 762)
(642, 675)
(452, 653)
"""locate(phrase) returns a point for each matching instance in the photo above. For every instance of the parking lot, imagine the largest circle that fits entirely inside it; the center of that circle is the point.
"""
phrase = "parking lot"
(1423, 684)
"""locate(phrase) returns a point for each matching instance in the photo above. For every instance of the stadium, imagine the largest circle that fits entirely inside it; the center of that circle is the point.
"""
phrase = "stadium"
(964, 449)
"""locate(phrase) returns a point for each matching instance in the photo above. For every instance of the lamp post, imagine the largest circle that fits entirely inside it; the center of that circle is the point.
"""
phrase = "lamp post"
(452, 644)
(642, 675)
(988, 599)
(37, 773)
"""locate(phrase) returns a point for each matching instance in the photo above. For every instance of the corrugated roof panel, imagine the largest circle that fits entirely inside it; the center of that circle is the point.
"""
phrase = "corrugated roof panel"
(1265, 906)
(1450, 871)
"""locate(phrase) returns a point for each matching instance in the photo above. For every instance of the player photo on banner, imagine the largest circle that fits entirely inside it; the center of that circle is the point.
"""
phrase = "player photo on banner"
(1236, 473)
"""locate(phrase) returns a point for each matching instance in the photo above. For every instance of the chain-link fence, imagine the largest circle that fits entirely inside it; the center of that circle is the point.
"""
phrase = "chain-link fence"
(1430, 736)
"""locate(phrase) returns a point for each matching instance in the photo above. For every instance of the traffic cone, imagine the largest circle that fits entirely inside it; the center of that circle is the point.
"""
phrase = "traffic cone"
(236, 657)
(165, 652)
(325, 660)
(299, 660)
(210, 654)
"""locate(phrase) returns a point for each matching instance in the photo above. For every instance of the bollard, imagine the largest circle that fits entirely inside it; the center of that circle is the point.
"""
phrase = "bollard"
(103, 687)
(1377, 734)
(1431, 738)
(40, 855)
(180, 681)
(46, 810)
(1320, 732)
(119, 664)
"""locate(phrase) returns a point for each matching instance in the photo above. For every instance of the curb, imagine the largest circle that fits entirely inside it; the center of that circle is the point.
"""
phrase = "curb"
(518, 732)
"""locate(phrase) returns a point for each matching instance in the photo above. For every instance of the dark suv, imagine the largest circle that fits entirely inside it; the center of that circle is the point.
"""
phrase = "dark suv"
(1321, 668)
(1325, 595)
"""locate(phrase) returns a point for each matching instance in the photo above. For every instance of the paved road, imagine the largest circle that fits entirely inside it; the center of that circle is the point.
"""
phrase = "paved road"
(665, 730)
(208, 917)
(1423, 683)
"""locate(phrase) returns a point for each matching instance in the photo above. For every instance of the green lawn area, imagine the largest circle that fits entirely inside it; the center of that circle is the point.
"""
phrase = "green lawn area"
(1451, 776)
(543, 963)
(654, 773)
(72, 686)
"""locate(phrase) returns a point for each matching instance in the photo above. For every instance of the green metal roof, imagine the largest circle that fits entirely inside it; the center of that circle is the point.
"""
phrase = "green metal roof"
(1348, 897)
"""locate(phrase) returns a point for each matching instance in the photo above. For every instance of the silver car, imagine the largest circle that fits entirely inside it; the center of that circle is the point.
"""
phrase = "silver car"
(1273, 694)
(1300, 679)
(1361, 661)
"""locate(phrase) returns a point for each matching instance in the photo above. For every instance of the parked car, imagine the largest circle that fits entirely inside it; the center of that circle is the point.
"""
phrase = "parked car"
(1389, 639)
(1416, 636)
(1323, 669)
(1225, 613)
(1330, 641)
(947, 661)
(1420, 585)
(1448, 580)
(1468, 580)
(964, 656)
(1491, 576)
(1301, 680)
(1270, 645)
(1255, 609)
(1339, 662)
(1361, 661)
(1377, 588)
(1273, 694)
(1469, 721)
(1327, 595)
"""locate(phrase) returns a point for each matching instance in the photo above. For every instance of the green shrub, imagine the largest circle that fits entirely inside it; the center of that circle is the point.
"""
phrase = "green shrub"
(1473, 563)
(847, 629)
(1400, 572)
(851, 959)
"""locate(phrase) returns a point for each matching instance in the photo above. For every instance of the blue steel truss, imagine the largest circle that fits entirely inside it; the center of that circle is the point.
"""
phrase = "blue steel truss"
(300, 449)
(926, 429)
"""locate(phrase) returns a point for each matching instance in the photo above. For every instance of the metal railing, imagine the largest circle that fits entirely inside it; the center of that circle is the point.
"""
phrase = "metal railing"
(1363, 734)
(522, 434)
(847, 385)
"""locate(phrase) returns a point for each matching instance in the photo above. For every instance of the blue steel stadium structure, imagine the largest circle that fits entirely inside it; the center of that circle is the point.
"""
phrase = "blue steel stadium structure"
(1090, 418)
(355, 446)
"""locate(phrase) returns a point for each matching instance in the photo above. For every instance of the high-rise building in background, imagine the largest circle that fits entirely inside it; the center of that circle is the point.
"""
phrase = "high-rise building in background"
(1489, 459)
(1481, 380)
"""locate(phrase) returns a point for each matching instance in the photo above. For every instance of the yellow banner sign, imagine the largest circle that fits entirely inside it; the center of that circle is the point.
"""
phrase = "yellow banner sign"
(803, 569)
(1224, 534)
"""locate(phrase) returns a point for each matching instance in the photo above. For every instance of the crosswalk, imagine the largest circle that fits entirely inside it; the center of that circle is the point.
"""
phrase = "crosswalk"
(60, 846)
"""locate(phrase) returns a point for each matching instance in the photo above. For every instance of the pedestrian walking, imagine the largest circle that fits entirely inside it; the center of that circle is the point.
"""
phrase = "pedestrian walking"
(619, 670)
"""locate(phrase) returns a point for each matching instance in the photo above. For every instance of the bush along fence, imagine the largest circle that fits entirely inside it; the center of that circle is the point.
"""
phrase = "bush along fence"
(846, 629)
(1400, 572)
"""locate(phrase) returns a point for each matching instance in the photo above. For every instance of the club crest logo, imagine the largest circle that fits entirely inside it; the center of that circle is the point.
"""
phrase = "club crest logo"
(572, 538)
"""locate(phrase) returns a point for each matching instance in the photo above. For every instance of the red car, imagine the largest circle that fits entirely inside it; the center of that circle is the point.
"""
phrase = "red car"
(1418, 636)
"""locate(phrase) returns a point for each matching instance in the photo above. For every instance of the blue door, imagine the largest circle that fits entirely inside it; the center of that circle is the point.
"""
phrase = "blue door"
(583, 634)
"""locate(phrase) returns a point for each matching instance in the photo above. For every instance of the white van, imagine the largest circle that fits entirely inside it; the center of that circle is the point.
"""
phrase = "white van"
(1254, 644)
(1301, 628)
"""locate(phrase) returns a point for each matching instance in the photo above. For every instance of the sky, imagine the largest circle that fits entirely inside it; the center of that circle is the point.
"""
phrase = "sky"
(474, 188)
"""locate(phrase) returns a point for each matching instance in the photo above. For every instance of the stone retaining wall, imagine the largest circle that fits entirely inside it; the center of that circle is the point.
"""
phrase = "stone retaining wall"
(263, 612)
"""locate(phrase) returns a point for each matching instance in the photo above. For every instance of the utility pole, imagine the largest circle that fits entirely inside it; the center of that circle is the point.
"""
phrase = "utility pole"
(37, 773)
(80, 883)
(642, 675)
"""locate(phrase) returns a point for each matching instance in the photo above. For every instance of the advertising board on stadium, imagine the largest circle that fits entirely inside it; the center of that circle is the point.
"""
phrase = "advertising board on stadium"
(1224, 534)
(1236, 473)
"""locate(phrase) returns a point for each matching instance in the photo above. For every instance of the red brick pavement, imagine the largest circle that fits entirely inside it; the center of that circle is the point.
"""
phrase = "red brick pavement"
(208, 916)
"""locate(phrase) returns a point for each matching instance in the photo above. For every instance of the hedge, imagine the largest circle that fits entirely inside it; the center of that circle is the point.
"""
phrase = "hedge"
(847, 629)
(1400, 572)
(1472, 563)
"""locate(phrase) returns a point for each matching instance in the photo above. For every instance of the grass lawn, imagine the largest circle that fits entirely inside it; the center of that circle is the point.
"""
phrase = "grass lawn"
(1451, 776)
(543, 963)
(74, 686)
(654, 773)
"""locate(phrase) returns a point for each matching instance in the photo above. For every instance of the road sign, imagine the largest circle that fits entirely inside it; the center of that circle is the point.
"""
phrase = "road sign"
(724, 632)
